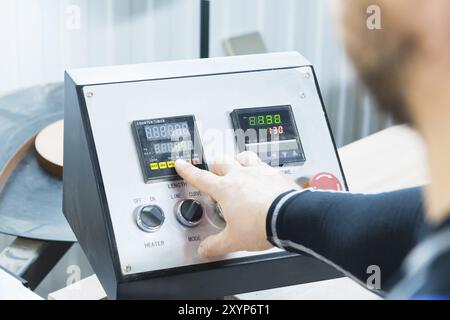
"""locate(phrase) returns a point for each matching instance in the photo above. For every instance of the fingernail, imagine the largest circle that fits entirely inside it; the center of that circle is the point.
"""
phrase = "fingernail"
(180, 163)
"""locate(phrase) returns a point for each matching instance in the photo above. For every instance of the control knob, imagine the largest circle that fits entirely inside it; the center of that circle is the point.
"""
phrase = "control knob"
(189, 212)
(150, 218)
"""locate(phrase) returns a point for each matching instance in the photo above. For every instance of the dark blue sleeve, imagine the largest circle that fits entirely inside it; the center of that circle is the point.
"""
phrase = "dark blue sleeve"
(350, 231)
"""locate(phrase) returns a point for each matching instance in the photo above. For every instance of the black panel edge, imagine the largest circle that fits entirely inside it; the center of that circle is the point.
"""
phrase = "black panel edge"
(216, 283)
(82, 202)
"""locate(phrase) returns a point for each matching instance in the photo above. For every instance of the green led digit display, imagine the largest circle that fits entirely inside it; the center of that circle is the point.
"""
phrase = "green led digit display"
(269, 119)
(270, 132)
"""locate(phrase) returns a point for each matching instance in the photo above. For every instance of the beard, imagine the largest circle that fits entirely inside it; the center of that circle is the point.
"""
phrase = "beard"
(381, 57)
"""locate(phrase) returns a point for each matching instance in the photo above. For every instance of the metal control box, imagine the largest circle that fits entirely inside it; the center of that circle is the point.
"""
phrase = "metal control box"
(138, 223)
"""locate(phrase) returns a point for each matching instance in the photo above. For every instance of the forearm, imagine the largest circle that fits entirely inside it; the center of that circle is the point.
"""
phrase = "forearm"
(353, 231)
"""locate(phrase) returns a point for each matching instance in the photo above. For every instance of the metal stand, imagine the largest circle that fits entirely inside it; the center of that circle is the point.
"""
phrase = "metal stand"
(205, 8)
(32, 260)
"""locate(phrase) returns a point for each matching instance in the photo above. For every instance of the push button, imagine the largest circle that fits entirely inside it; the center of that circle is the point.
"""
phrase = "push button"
(150, 218)
(163, 165)
(325, 181)
(189, 213)
(171, 164)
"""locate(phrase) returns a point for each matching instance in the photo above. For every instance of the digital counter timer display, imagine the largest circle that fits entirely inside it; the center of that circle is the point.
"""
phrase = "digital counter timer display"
(270, 132)
(161, 142)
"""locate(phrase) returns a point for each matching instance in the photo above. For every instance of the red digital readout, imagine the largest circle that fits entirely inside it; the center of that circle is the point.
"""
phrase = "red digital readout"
(277, 130)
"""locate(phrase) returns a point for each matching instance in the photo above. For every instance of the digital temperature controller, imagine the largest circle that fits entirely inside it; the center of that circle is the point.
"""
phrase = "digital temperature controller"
(271, 132)
(160, 142)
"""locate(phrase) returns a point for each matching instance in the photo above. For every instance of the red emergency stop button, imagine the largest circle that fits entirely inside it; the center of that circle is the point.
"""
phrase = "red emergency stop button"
(325, 181)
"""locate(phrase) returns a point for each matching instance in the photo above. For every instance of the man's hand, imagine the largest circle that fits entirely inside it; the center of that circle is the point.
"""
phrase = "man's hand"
(245, 188)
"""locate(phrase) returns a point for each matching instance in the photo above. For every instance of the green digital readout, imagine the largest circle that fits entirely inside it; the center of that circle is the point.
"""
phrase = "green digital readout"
(270, 132)
(262, 120)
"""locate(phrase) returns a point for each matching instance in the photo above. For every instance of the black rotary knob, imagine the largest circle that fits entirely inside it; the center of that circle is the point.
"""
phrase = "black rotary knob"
(150, 218)
(189, 213)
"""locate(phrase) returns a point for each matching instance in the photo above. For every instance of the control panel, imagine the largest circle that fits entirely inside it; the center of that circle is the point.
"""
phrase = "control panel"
(139, 120)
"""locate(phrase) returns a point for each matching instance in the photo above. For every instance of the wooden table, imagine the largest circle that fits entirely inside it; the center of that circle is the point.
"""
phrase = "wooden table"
(389, 160)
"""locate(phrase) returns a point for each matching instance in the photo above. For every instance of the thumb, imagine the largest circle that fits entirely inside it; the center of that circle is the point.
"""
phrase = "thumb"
(215, 246)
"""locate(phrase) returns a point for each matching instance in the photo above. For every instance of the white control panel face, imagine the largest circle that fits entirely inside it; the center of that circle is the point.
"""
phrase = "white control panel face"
(159, 220)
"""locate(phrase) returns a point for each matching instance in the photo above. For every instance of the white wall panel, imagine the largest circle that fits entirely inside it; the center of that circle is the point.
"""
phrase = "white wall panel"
(9, 62)
(38, 44)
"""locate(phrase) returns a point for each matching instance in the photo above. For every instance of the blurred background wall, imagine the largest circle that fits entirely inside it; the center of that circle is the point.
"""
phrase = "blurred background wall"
(42, 38)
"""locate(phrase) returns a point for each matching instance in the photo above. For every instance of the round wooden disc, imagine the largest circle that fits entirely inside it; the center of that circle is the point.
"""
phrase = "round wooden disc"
(49, 147)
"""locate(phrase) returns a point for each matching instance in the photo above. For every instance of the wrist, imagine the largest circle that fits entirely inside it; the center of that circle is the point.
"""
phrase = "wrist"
(272, 216)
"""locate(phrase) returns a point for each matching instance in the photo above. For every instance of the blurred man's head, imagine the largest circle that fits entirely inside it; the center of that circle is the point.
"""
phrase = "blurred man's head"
(406, 65)
(414, 34)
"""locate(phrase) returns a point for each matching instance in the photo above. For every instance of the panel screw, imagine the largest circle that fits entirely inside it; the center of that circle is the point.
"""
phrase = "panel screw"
(302, 95)
(127, 268)
(307, 75)
(89, 94)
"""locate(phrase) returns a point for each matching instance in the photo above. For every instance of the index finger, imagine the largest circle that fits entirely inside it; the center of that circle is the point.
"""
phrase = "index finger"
(202, 180)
